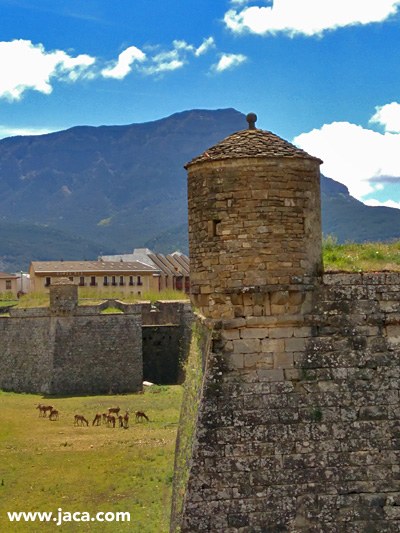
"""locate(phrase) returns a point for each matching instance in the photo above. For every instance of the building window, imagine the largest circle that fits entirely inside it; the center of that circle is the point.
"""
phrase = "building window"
(113, 281)
(81, 281)
(93, 281)
(139, 280)
(131, 280)
(8, 284)
(48, 281)
(105, 281)
(71, 278)
(121, 280)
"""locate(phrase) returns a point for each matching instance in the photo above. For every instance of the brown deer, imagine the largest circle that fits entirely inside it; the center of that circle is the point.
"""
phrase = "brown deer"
(97, 420)
(115, 410)
(43, 409)
(81, 419)
(121, 421)
(110, 420)
(54, 415)
(104, 415)
(140, 415)
(126, 420)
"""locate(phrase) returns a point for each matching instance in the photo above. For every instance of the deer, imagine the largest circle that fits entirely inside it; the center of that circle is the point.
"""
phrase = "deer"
(81, 419)
(121, 421)
(126, 420)
(97, 420)
(115, 410)
(110, 420)
(54, 415)
(43, 409)
(140, 415)
(104, 415)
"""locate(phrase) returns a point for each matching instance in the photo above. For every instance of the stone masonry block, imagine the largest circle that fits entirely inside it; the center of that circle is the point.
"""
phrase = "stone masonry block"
(236, 361)
(254, 333)
(230, 334)
(295, 344)
(274, 374)
(281, 333)
(247, 346)
(283, 360)
(273, 345)
(258, 360)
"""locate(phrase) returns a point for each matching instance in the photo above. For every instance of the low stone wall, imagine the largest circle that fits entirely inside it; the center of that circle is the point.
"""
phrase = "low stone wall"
(79, 350)
(298, 422)
(71, 355)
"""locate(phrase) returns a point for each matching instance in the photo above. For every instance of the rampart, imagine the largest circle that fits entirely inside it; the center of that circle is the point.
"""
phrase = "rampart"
(71, 349)
(297, 427)
(294, 421)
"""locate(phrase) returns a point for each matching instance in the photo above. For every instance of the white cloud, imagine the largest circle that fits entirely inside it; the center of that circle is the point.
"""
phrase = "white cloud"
(205, 46)
(7, 131)
(228, 61)
(388, 116)
(154, 62)
(362, 159)
(377, 203)
(308, 17)
(166, 61)
(24, 66)
(120, 68)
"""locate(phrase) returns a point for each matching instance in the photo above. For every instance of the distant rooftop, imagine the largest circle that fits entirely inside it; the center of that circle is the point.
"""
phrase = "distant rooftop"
(4, 275)
(91, 266)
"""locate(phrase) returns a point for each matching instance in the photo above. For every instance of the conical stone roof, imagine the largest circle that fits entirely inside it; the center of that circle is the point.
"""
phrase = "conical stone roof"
(251, 143)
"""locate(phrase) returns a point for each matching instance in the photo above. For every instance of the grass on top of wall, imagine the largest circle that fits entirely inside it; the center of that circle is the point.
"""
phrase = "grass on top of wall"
(48, 465)
(89, 297)
(92, 297)
(360, 257)
(34, 299)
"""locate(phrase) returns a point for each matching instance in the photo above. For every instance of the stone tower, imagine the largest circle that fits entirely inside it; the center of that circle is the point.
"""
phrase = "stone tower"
(63, 297)
(290, 420)
(254, 223)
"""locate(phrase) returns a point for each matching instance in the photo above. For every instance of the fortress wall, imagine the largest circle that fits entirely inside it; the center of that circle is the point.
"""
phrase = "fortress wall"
(26, 346)
(199, 357)
(166, 340)
(71, 354)
(78, 350)
(298, 423)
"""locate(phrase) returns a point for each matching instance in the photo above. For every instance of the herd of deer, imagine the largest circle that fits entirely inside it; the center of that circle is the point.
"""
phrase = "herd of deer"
(109, 418)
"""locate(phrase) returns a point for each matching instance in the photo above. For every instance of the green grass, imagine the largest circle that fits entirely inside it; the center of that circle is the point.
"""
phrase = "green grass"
(92, 297)
(50, 465)
(7, 303)
(365, 257)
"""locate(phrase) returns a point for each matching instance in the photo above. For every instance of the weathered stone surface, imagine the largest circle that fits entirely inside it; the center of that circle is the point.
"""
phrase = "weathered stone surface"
(311, 444)
(70, 349)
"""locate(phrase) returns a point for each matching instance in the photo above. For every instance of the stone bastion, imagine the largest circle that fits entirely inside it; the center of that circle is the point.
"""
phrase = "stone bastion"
(291, 414)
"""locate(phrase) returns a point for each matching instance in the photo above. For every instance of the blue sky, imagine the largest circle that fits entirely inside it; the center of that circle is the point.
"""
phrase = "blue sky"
(324, 74)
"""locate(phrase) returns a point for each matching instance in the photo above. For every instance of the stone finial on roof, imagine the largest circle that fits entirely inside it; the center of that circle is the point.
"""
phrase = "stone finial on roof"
(252, 119)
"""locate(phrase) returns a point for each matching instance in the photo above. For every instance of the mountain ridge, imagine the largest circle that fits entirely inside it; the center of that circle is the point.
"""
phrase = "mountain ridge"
(120, 187)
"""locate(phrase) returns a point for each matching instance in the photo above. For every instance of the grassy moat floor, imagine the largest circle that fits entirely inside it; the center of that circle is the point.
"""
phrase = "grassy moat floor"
(47, 465)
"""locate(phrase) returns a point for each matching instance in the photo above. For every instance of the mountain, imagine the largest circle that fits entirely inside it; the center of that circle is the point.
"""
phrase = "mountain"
(351, 220)
(118, 185)
(88, 190)
(22, 243)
